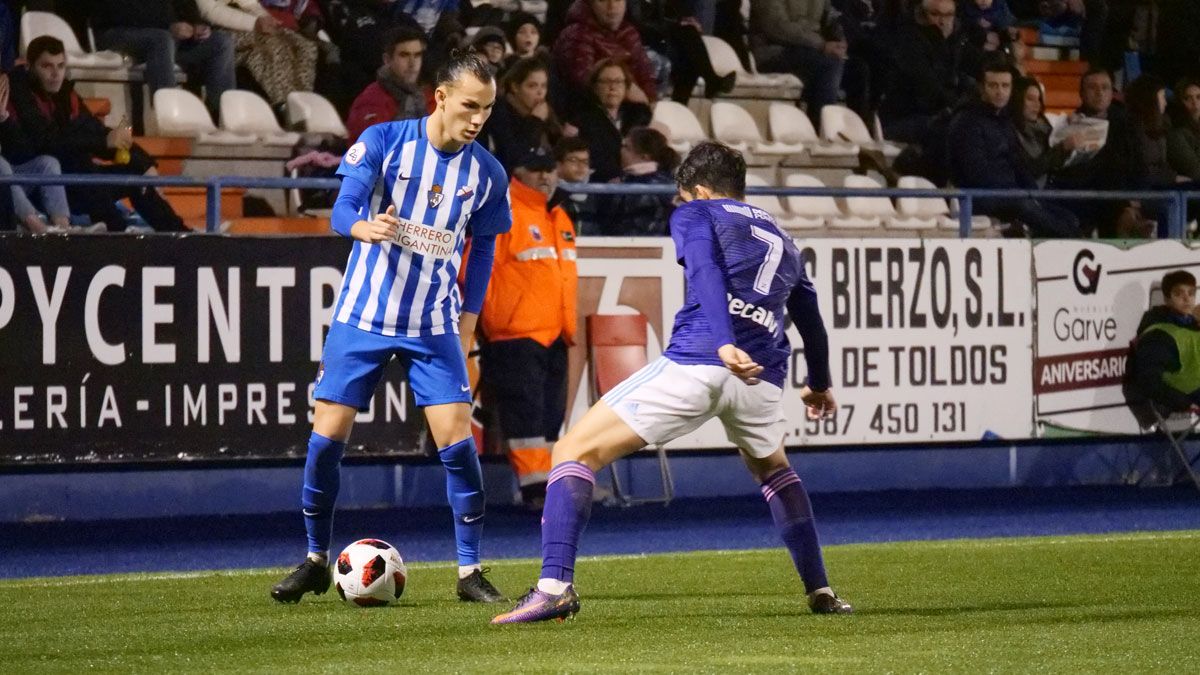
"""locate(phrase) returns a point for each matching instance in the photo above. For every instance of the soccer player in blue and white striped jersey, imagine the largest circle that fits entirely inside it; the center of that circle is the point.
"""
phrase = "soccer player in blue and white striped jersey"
(410, 193)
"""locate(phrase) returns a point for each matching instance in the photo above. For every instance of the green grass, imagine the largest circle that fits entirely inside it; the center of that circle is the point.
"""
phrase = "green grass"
(1116, 603)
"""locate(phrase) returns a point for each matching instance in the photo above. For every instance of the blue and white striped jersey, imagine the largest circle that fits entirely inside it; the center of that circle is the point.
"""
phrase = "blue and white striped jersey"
(409, 287)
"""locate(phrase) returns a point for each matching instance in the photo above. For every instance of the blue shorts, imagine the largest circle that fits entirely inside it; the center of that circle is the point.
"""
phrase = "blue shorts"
(353, 362)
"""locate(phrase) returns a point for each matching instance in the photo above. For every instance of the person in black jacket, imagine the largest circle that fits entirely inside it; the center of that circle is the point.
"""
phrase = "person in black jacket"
(163, 33)
(646, 159)
(607, 117)
(49, 118)
(522, 117)
(985, 153)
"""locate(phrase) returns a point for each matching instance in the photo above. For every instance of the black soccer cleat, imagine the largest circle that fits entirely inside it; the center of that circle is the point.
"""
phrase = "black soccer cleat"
(309, 576)
(828, 603)
(476, 588)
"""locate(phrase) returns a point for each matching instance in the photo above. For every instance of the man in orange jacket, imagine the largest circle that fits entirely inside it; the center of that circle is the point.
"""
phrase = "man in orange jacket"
(528, 322)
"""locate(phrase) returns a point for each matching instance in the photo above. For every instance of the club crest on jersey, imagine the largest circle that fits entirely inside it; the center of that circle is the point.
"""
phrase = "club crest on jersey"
(535, 232)
(435, 196)
(464, 193)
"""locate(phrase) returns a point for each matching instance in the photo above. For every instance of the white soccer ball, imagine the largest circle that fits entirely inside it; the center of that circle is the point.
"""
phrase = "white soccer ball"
(370, 573)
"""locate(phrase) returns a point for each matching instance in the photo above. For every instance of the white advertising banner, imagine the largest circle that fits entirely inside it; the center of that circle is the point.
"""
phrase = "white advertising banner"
(1090, 299)
(930, 341)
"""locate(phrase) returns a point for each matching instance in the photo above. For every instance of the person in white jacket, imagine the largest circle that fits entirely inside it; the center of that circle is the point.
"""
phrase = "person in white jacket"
(280, 60)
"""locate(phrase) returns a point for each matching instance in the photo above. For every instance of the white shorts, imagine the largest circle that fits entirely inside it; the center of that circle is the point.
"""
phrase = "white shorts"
(665, 400)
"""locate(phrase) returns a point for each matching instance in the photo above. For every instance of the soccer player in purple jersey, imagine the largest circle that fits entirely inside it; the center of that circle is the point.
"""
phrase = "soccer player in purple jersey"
(727, 359)
(399, 299)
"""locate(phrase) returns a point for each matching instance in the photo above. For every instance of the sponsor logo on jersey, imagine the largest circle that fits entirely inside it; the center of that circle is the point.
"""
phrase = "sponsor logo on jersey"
(535, 232)
(435, 196)
(748, 310)
(464, 193)
(428, 241)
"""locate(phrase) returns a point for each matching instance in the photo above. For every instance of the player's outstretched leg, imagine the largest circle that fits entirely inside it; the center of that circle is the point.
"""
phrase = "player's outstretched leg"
(464, 491)
(792, 512)
(566, 513)
(321, 481)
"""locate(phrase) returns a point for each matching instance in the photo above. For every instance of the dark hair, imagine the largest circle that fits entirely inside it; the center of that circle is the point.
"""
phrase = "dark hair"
(401, 34)
(514, 24)
(1095, 70)
(1141, 98)
(43, 44)
(1177, 278)
(651, 143)
(995, 65)
(716, 166)
(1016, 104)
(462, 62)
(1180, 115)
(521, 70)
(568, 145)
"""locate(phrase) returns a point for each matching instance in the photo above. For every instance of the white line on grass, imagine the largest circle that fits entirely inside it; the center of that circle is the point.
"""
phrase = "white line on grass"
(504, 562)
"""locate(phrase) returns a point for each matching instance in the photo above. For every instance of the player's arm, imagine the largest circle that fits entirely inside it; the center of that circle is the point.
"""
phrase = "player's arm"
(350, 210)
(806, 315)
(705, 276)
(479, 272)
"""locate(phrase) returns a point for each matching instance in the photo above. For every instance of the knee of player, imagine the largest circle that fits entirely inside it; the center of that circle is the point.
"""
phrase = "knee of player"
(571, 450)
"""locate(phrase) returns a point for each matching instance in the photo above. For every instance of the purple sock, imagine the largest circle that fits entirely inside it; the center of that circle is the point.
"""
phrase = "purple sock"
(568, 507)
(793, 516)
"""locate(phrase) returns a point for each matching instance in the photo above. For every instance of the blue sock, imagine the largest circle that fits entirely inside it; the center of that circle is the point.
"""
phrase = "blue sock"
(322, 477)
(567, 510)
(793, 517)
(464, 490)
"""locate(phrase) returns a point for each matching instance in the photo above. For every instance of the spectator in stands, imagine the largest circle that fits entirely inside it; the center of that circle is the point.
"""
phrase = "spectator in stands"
(1112, 167)
(163, 33)
(802, 37)
(280, 60)
(396, 94)
(490, 42)
(672, 28)
(646, 159)
(597, 30)
(927, 79)
(428, 13)
(522, 117)
(1027, 110)
(359, 30)
(528, 322)
(1163, 364)
(524, 33)
(1146, 99)
(985, 153)
(607, 117)
(990, 24)
(51, 119)
(1183, 140)
(573, 164)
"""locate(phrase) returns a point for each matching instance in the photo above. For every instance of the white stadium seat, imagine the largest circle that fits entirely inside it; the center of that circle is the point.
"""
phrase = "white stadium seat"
(791, 128)
(725, 60)
(879, 209)
(813, 211)
(180, 113)
(36, 24)
(932, 207)
(734, 126)
(244, 112)
(682, 129)
(315, 113)
(839, 123)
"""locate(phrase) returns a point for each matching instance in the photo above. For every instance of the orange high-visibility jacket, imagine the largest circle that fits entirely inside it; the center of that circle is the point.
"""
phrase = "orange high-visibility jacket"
(534, 278)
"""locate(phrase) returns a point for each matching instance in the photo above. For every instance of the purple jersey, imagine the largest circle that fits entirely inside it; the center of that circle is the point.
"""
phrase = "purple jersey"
(761, 267)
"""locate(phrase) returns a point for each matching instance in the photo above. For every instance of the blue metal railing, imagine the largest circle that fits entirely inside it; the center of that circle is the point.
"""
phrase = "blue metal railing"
(1176, 200)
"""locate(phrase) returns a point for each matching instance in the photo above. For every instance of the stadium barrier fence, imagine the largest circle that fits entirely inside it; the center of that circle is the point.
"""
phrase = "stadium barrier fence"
(1176, 200)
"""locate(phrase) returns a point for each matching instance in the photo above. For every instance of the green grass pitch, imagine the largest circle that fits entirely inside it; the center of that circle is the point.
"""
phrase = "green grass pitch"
(1118, 603)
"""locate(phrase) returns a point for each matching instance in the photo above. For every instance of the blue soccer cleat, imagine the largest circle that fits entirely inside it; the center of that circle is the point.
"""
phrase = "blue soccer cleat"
(540, 606)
